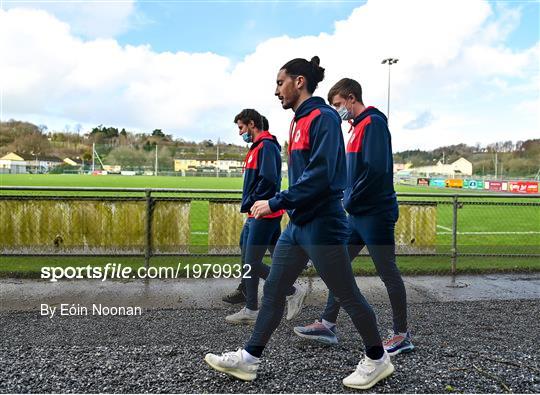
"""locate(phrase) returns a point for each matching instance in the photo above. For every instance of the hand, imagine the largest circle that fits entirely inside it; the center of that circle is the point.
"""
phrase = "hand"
(260, 208)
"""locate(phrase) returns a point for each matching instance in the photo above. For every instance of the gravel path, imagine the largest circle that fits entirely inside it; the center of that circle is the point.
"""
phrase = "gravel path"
(480, 347)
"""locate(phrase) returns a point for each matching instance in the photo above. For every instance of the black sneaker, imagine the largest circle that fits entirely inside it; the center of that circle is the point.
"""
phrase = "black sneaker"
(238, 296)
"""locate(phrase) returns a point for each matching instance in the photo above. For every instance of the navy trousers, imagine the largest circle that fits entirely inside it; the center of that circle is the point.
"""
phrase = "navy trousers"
(324, 241)
(258, 236)
(377, 233)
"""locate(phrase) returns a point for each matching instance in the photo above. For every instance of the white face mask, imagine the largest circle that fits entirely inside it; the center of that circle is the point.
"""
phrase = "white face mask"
(344, 113)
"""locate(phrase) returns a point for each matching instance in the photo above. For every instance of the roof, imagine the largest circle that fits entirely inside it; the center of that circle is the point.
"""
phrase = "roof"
(30, 157)
(44, 158)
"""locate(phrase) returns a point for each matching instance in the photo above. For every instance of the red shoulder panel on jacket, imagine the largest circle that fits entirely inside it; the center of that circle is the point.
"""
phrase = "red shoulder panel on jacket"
(252, 157)
(355, 141)
(299, 138)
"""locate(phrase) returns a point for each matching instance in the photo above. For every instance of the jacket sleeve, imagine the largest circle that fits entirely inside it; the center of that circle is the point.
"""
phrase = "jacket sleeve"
(269, 175)
(376, 155)
(326, 141)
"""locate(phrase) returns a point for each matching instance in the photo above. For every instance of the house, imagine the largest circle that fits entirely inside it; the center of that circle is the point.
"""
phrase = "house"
(112, 169)
(17, 163)
(185, 164)
(461, 167)
(193, 164)
(401, 166)
(229, 165)
(73, 162)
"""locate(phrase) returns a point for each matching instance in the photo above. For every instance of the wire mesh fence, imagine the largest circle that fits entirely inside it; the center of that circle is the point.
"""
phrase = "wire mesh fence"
(61, 221)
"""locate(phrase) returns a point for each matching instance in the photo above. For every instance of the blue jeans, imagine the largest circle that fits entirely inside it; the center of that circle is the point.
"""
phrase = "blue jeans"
(377, 233)
(258, 235)
(323, 240)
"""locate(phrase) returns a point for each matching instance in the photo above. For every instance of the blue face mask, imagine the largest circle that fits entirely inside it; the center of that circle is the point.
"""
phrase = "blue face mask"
(344, 113)
(247, 137)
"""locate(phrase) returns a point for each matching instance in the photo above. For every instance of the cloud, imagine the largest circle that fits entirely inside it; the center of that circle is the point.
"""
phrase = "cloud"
(421, 121)
(451, 61)
(90, 19)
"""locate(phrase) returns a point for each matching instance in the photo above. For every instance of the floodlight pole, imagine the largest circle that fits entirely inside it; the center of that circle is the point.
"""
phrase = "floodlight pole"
(390, 62)
(156, 165)
(217, 158)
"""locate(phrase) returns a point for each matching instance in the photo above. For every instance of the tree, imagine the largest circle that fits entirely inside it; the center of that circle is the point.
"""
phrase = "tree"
(128, 158)
(158, 133)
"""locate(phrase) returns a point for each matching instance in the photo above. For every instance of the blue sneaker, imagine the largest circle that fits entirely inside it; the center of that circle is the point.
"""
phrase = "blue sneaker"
(317, 332)
(399, 343)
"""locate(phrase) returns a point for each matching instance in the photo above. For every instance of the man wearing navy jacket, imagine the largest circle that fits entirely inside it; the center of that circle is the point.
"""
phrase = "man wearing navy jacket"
(317, 230)
(371, 201)
(262, 179)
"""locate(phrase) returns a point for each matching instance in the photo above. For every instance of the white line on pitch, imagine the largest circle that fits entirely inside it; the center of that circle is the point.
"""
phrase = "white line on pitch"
(444, 227)
(491, 233)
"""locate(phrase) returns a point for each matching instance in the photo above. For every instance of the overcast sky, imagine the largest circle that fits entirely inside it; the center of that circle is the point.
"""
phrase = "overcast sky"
(468, 71)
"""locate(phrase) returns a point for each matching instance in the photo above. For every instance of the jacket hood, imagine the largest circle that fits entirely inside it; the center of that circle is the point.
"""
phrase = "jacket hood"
(265, 136)
(309, 105)
(366, 113)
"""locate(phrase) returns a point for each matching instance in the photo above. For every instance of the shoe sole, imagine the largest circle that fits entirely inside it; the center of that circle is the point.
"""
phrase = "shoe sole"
(320, 339)
(387, 372)
(302, 299)
(231, 372)
(242, 322)
(404, 350)
(231, 302)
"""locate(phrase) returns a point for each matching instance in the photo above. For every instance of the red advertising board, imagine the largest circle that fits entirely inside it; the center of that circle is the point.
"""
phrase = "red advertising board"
(497, 186)
(523, 187)
(423, 181)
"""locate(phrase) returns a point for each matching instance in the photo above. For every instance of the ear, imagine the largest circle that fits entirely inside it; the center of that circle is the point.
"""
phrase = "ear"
(300, 81)
(251, 124)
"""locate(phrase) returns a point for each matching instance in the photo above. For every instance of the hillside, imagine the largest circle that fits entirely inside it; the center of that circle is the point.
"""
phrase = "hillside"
(115, 147)
(130, 149)
(521, 159)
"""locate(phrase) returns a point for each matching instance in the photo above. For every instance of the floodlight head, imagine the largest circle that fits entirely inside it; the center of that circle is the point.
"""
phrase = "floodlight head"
(390, 61)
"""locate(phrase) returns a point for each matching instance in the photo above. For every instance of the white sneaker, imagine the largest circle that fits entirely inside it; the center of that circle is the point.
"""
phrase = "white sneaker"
(244, 316)
(295, 302)
(369, 372)
(233, 364)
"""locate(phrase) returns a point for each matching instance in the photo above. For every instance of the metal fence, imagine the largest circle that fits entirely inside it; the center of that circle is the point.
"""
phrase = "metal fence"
(64, 221)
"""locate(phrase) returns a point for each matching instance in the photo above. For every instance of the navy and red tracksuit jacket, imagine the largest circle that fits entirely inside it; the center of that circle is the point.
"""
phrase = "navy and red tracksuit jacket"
(317, 164)
(262, 172)
(370, 186)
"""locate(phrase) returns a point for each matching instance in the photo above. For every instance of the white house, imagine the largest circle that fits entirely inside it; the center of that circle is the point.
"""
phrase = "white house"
(401, 166)
(224, 165)
(460, 167)
(17, 163)
(228, 165)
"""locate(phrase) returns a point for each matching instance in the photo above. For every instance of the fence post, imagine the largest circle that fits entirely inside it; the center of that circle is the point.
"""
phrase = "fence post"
(148, 229)
(454, 234)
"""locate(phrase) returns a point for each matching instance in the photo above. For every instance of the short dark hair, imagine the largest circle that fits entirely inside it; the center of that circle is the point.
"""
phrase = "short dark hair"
(266, 125)
(345, 87)
(311, 71)
(249, 114)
